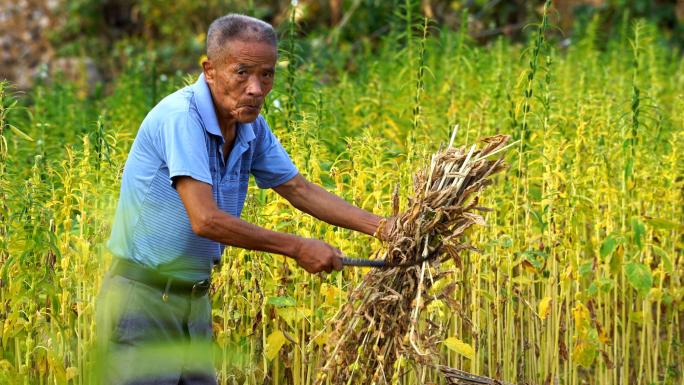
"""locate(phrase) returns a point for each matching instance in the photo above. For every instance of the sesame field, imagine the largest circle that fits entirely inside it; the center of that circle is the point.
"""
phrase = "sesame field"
(576, 277)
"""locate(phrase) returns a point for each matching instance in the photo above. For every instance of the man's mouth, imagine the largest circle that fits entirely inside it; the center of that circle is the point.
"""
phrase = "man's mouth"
(252, 107)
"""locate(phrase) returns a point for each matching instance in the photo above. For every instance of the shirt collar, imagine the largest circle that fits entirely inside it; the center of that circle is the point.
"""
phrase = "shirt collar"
(245, 132)
(205, 106)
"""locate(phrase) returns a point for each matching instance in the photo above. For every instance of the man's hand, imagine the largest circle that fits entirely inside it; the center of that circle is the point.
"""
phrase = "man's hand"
(385, 228)
(315, 256)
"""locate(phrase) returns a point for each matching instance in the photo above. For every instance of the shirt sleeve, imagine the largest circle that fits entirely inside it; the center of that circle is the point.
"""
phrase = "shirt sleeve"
(181, 142)
(271, 165)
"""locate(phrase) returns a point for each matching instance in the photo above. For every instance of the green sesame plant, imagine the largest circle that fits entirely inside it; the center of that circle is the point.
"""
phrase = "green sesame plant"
(578, 278)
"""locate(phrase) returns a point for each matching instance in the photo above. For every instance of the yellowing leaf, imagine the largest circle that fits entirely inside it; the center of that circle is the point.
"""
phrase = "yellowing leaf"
(439, 286)
(71, 372)
(604, 337)
(584, 353)
(274, 342)
(436, 307)
(523, 281)
(331, 294)
(321, 339)
(460, 347)
(637, 317)
(581, 315)
(567, 274)
(527, 265)
(291, 315)
(544, 306)
(5, 366)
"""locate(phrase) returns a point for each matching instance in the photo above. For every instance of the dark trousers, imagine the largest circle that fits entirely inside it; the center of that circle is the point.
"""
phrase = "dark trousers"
(145, 339)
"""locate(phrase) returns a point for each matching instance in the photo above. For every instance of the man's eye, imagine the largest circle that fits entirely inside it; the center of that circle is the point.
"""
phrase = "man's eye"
(241, 72)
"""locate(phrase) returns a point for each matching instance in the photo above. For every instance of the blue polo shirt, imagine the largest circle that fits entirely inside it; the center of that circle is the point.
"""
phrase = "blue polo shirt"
(180, 136)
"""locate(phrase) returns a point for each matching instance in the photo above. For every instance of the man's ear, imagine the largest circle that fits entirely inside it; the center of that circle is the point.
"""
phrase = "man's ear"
(209, 70)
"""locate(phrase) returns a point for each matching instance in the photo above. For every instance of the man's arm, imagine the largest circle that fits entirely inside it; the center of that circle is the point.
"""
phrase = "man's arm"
(209, 221)
(315, 200)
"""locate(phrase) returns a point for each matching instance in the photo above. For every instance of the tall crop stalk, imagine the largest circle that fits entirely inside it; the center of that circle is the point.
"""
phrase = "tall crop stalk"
(635, 121)
(290, 53)
(417, 124)
(519, 351)
(628, 184)
(522, 130)
(101, 144)
(412, 70)
(546, 205)
(6, 103)
(409, 21)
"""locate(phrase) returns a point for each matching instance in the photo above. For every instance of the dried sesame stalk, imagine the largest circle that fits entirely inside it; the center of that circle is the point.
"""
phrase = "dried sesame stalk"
(382, 319)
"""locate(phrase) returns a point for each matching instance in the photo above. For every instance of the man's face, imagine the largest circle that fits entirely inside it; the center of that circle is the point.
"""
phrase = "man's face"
(240, 83)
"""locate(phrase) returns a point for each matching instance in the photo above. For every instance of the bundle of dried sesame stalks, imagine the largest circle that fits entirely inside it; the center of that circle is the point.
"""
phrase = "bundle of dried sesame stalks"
(380, 322)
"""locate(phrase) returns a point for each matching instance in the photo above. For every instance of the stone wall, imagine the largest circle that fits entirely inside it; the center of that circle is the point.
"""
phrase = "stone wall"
(24, 46)
(26, 51)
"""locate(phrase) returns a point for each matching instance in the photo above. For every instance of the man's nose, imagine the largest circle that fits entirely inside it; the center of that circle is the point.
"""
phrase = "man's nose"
(254, 87)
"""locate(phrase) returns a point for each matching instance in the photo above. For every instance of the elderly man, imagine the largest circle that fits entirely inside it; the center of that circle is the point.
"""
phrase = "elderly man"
(182, 191)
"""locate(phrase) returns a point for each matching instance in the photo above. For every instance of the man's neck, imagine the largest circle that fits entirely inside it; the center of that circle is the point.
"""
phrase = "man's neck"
(228, 129)
(227, 124)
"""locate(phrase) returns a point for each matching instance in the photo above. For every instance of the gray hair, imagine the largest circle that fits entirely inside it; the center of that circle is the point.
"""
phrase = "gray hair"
(237, 27)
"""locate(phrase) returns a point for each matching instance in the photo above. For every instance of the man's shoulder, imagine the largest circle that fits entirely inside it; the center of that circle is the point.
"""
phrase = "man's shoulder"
(260, 127)
(173, 109)
(177, 103)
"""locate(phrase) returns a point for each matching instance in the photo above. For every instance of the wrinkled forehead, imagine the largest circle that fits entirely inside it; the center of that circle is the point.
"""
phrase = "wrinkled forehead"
(245, 47)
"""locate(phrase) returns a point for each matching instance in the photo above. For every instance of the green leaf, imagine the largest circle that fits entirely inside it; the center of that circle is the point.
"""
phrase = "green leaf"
(54, 244)
(616, 260)
(639, 277)
(593, 289)
(638, 230)
(20, 133)
(539, 217)
(535, 193)
(586, 269)
(284, 301)
(605, 284)
(664, 258)
(608, 246)
(505, 241)
(629, 168)
(662, 223)
(486, 295)
(536, 258)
